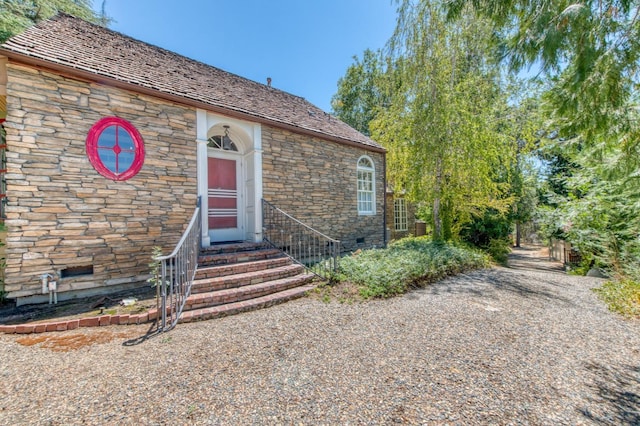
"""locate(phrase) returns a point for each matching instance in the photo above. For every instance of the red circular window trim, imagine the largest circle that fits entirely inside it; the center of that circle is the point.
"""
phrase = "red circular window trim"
(92, 148)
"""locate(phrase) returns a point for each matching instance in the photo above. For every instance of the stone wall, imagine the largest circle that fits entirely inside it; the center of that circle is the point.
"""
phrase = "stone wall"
(316, 182)
(61, 213)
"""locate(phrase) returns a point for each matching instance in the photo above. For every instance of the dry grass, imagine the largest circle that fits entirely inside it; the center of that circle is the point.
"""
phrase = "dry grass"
(341, 292)
(622, 297)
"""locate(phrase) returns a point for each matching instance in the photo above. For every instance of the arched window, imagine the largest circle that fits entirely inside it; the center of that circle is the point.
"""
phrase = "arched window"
(115, 148)
(222, 142)
(366, 187)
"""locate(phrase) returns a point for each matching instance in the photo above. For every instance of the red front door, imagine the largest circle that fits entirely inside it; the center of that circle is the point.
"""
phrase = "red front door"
(223, 194)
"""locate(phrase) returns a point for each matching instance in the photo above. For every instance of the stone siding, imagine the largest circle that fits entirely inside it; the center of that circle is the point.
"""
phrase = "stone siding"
(316, 181)
(61, 213)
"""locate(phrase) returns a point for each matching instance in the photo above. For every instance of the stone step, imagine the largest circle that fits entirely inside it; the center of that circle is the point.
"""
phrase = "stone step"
(246, 305)
(238, 294)
(247, 278)
(211, 259)
(241, 268)
(233, 247)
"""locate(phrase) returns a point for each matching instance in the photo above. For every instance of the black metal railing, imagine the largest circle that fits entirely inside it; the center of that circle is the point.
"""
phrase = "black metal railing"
(306, 246)
(176, 273)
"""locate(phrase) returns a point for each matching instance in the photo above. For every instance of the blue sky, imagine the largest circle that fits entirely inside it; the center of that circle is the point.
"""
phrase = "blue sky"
(305, 46)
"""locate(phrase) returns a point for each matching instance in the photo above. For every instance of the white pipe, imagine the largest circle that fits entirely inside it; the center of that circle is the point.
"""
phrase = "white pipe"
(51, 287)
(45, 282)
(53, 291)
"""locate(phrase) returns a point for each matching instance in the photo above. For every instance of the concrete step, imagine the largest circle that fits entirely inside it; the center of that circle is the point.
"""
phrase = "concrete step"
(246, 305)
(238, 280)
(238, 294)
(212, 259)
(241, 268)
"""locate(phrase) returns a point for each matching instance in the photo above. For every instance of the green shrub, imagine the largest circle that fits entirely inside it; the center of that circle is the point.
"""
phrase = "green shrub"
(621, 296)
(154, 266)
(585, 265)
(481, 231)
(407, 263)
(499, 249)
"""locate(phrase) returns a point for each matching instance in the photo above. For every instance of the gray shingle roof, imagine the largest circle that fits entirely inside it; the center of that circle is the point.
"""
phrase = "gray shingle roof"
(75, 44)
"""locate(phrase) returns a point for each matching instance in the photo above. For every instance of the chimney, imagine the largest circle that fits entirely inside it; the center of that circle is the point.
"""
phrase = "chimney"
(269, 81)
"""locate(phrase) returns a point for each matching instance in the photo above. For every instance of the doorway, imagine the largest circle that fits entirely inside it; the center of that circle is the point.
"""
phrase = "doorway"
(229, 178)
(224, 189)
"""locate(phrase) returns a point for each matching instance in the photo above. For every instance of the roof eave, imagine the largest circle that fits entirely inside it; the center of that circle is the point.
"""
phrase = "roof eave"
(110, 81)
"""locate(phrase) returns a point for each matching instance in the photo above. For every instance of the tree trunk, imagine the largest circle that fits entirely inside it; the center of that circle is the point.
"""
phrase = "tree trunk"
(437, 220)
(518, 232)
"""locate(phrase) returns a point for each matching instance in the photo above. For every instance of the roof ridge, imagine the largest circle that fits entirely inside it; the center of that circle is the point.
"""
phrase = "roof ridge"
(89, 49)
(166, 51)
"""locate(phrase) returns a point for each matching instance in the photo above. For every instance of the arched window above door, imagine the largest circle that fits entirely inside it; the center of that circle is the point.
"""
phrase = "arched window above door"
(222, 142)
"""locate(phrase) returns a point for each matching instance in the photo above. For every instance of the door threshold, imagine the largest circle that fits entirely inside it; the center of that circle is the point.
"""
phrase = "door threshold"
(219, 243)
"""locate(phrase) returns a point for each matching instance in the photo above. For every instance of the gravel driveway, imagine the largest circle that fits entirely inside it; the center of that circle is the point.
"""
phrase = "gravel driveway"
(520, 345)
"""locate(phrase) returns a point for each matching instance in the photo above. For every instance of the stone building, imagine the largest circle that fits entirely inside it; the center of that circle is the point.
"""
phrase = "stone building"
(111, 141)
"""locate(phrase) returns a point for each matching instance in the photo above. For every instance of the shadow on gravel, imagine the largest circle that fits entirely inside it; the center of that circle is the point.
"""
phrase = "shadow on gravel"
(153, 331)
(515, 278)
(533, 258)
(618, 391)
(484, 282)
(519, 261)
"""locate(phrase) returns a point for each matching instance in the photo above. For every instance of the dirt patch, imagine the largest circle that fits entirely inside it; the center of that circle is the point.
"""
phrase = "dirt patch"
(112, 304)
(342, 292)
(74, 341)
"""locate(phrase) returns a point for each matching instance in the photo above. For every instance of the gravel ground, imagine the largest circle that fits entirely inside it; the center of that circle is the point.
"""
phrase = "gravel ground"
(520, 345)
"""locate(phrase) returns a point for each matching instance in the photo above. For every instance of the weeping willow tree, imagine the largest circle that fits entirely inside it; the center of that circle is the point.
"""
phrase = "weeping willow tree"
(589, 53)
(445, 119)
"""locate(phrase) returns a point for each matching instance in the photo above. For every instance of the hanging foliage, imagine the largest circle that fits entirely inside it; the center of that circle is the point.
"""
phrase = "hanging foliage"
(18, 15)
(445, 122)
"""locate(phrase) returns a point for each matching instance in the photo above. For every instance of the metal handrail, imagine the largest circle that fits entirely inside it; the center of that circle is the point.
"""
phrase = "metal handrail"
(177, 272)
(312, 249)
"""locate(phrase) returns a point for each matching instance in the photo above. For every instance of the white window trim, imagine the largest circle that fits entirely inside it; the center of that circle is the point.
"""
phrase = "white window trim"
(372, 171)
(400, 218)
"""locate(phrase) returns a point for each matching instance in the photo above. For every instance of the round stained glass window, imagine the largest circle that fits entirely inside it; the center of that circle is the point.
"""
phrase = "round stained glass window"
(115, 148)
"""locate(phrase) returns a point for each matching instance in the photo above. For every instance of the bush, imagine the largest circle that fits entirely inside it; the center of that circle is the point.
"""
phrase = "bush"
(499, 249)
(481, 231)
(407, 263)
(491, 233)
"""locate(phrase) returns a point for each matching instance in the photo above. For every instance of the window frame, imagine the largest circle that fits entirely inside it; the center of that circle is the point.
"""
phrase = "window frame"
(400, 217)
(366, 196)
(92, 148)
(218, 145)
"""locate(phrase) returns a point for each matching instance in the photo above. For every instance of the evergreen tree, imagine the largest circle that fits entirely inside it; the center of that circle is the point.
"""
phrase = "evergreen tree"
(359, 95)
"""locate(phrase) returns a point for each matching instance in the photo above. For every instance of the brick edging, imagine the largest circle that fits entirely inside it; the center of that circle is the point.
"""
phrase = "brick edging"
(72, 324)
